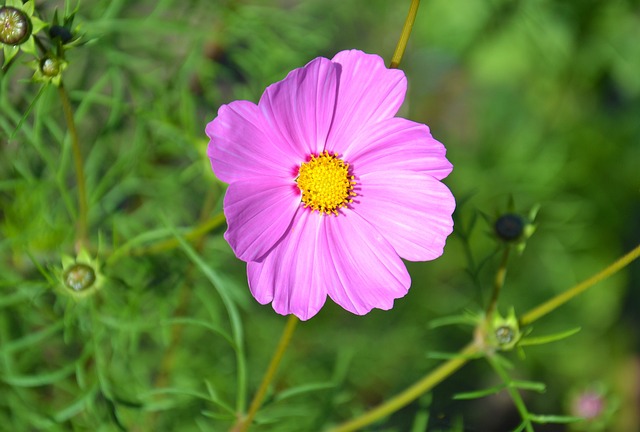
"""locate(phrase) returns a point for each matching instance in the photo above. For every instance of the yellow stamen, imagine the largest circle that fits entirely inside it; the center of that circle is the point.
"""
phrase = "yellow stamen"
(325, 183)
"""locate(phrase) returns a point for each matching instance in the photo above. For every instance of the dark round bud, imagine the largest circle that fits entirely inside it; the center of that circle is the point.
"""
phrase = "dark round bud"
(15, 26)
(509, 227)
(49, 67)
(79, 277)
(504, 335)
(62, 32)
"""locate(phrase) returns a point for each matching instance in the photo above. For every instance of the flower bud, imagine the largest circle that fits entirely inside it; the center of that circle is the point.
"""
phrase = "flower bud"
(505, 332)
(80, 276)
(15, 26)
(504, 335)
(509, 227)
(588, 405)
(58, 31)
(50, 67)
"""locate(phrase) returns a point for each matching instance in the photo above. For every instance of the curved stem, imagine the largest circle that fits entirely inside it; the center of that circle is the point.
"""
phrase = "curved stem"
(449, 367)
(567, 295)
(428, 382)
(404, 36)
(289, 328)
(173, 243)
(163, 245)
(83, 206)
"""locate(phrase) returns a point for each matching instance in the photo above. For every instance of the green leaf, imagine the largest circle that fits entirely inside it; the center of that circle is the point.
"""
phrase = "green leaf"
(40, 379)
(77, 406)
(32, 338)
(529, 385)
(305, 388)
(218, 416)
(215, 398)
(26, 112)
(549, 338)
(480, 393)
(542, 419)
(465, 319)
(421, 420)
(204, 324)
(234, 316)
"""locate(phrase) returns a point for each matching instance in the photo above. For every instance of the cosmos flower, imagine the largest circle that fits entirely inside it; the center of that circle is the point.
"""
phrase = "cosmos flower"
(328, 190)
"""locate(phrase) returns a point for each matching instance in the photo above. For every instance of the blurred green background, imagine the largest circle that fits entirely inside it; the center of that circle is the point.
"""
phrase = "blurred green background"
(536, 101)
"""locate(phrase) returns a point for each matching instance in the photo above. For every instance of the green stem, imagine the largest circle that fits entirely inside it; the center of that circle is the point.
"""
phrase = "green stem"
(513, 392)
(415, 391)
(404, 36)
(498, 282)
(289, 328)
(172, 243)
(165, 245)
(83, 206)
(564, 297)
(449, 367)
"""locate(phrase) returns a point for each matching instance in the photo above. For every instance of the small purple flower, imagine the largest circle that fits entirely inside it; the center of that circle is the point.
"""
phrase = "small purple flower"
(328, 190)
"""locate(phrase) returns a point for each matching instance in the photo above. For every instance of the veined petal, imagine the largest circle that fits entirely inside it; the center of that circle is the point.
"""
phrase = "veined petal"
(398, 144)
(368, 93)
(292, 275)
(258, 213)
(242, 146)
(299, 109)
(370, 273)
(412, 210)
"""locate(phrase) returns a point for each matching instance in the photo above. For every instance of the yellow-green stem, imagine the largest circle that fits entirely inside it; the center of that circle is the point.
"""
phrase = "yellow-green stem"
(449, 367)
(404, 36)
(416, 390)
(164, 245)
(83, 206)
(564, 297)
(292, 322)
(172, 243)
(498, 282)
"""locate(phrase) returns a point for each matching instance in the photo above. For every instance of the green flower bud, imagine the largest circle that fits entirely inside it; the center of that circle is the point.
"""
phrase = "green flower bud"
(79, 277)
(504, 332)
(18, 27)
(15, 26)
(50, 67)
(504, 335)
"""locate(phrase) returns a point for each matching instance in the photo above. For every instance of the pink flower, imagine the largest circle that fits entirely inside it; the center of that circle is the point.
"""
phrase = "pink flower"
(328, 190)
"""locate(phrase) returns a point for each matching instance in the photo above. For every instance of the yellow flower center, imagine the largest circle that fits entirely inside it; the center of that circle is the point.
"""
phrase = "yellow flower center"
(325, 183)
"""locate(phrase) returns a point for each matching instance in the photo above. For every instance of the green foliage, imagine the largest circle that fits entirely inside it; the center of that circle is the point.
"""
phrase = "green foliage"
(535, 100)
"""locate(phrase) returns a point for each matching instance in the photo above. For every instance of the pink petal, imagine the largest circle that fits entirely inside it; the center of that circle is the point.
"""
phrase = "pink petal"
(242, 145)
(292, 276)
(412, 210)
(258, 214)
(368, 93)
(299, 109)
(397, 144)
(369, 271)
